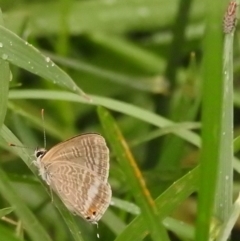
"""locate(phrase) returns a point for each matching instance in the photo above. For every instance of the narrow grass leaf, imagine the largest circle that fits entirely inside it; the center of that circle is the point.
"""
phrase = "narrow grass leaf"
(125, 205)
(166, 203)
(19, 52)
(133, 175)
(236, 144)
(115, 105)
(211, 123)
(225, 178)
(183, 230)
(5, 77)
(155, 84)
(5, 211)
(113, 222)
(228, 225)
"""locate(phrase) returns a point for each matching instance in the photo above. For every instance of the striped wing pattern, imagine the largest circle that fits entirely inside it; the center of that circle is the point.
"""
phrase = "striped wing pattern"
(89, 151)
(81, 191)
(77, 170)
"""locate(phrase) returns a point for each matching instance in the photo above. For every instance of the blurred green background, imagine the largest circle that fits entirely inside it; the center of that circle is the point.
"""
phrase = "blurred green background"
(145, 53)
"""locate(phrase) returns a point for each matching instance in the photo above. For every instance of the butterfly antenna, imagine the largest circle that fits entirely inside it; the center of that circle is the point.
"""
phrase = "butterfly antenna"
(44, 131)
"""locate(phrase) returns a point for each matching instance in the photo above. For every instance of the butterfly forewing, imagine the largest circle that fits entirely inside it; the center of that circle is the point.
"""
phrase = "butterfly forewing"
(89, 151)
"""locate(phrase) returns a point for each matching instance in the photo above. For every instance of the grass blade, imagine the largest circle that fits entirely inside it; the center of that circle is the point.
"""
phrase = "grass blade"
(184, 187)
(133, 175)
(19, 52)
(5, 77)
(5, 211)
(211, 123)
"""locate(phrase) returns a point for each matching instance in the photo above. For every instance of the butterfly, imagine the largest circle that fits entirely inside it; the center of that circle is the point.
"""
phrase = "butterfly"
(77, 171)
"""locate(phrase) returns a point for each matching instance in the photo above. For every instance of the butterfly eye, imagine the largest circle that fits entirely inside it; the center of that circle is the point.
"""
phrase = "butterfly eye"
(94, 213)
(88, 218)
(40, 153)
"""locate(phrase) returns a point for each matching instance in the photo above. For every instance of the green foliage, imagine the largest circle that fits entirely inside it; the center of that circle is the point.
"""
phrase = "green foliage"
(133, 71)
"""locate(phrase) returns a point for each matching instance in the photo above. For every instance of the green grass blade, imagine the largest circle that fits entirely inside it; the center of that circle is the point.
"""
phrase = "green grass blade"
(5, 211)
(229, 223)
(211, 123)
(133, 175)
(19, 52)
(113, 104)
(225, 180)
(184, 187)
(5, 77)
(156, 84)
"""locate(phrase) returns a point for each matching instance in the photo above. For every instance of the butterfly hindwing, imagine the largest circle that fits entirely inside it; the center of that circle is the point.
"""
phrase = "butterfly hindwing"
(80, 190)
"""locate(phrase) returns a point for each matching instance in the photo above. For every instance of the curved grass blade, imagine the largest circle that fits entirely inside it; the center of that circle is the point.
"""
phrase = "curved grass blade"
(112, 104)
(19, 52)
(115, 105)
(113, 222)
(5, 211)
(125, 205)
(133, 175)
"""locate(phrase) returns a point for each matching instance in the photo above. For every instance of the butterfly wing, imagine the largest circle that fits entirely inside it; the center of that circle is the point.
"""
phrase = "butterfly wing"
(89, 151)
(80, 190)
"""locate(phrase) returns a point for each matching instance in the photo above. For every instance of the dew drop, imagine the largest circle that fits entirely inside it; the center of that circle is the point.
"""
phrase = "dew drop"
(53, 64)
(11, 43)
(1, 44)
(227, 177)
(4, 56)
(29, 62)
(47, 59)
(26, 43)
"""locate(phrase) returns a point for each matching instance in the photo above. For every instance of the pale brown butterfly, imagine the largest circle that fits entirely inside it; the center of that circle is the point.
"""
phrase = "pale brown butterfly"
(77, 170)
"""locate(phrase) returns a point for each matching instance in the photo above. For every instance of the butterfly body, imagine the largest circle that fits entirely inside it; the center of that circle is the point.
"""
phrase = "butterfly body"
(77, 170)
